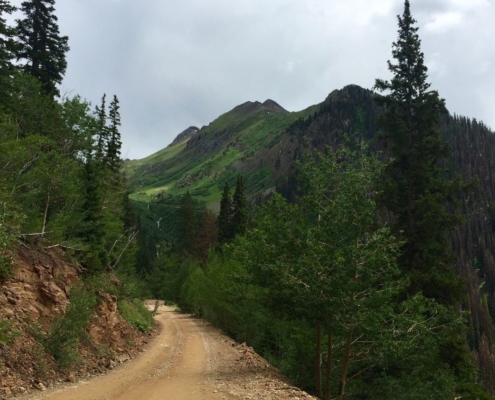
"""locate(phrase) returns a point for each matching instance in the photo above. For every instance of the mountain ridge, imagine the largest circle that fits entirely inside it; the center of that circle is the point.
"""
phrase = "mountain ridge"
(264, 147)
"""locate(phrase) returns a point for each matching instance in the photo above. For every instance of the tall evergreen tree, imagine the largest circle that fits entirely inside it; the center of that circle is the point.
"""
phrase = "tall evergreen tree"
(7, 48)
(7, 33)
(41, 48)
(93, 229)
(101, 118)
(188, 225)
(207, 236)
(114, 143)
(416, 189)
(225, 216)
(239, 209)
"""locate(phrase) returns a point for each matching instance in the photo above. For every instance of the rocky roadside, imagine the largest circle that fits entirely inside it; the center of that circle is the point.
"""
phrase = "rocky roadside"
(238, 372)
(31, 299)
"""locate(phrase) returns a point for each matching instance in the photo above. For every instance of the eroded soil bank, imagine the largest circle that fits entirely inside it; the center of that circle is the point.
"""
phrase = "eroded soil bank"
(188, 359)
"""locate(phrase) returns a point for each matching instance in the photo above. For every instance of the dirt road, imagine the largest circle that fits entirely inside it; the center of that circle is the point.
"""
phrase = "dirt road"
(188, 360)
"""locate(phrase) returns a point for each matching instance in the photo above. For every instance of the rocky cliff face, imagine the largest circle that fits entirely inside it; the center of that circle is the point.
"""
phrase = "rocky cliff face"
(31, 299)
(184, 135)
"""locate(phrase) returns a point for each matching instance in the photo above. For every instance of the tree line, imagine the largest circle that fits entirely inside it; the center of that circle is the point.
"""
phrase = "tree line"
(60, 174)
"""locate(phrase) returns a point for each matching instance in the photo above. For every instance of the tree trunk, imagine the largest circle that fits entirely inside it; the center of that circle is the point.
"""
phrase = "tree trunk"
(328, 394)
(318, 384)
(345, 367)
(45, 213)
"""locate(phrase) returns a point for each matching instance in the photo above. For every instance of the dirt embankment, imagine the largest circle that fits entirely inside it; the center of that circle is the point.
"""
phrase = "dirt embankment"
(31, 299)
(186, 359)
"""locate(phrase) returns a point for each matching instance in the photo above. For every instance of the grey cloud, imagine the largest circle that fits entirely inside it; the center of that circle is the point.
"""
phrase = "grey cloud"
(180, 63)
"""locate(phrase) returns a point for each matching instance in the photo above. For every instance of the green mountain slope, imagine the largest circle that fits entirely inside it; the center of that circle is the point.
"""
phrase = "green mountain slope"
(261, 141)
(202, 162)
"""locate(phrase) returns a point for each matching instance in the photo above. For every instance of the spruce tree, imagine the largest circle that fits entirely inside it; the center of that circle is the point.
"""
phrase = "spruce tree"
(40, 47)
(225, 216)
(93, 229)
(207, 236)
(415, 188)
(419, 194)
(7, 47)
(7, 33)
(114, 143)
(239, 209)
(101, 118)
(187, 225)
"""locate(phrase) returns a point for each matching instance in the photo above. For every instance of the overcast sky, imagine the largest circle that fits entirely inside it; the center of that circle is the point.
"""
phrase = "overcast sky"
(177, 63)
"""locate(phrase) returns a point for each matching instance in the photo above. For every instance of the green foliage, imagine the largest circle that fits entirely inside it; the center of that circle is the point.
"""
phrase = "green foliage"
(417, 190)
(7, 334)
(9, 229)
(69, 329)
(7, 45)
(92, 228)
(114, 143)
(207, 236)
(188, 226)
(415, 187)
(41, 47)
(136, 314)
(325, 262)
(225, 216)
(60, 178)
(239, 208)
(168, 276)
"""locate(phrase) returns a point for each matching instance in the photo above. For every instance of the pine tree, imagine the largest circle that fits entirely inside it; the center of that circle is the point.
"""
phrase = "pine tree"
(114, 143)
(207, 236)
(7, 47)
(187, 225)
(416, 189)
(239, 212)
(101, 117)
(41, 48)
(419, 194)
(225, 216)
(93, 229)
(7, 33)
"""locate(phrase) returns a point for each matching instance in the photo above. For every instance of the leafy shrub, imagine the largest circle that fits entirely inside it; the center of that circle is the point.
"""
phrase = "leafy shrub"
(7, 334)
(67, 331)
(9, 229)
(135, 313)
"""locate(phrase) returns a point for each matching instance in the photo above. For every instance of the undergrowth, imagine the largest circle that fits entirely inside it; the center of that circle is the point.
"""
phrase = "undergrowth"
(135, 313)
(69, 329)
(7, 334)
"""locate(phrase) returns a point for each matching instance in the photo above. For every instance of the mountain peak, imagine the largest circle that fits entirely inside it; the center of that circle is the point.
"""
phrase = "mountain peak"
(273, 106)
(186, 134)
(250, 107)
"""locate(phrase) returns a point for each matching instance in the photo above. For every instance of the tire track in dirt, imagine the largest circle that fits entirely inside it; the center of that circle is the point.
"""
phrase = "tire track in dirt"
(173, 366)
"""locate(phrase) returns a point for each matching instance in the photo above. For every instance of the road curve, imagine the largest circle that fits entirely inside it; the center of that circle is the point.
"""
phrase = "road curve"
(172, 367)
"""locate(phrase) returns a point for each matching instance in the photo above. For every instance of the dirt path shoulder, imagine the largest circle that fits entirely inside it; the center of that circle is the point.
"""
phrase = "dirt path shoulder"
(187, 360)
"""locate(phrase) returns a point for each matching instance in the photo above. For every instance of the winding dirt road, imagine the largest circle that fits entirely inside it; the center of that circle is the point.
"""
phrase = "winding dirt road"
(187, 360)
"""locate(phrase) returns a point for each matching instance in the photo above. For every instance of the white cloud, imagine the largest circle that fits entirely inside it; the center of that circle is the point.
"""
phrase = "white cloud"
(444, 21)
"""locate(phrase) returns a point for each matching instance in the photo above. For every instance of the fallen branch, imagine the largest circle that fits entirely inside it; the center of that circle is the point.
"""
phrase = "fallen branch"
(131, 238)
(33, 234)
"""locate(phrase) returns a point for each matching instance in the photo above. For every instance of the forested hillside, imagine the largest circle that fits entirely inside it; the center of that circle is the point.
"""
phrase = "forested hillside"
(64, 202)
(257, 287)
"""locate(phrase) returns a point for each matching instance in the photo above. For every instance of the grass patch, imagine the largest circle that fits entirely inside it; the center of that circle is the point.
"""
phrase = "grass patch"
(7, 334)
(64, 336)
(135, 313)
